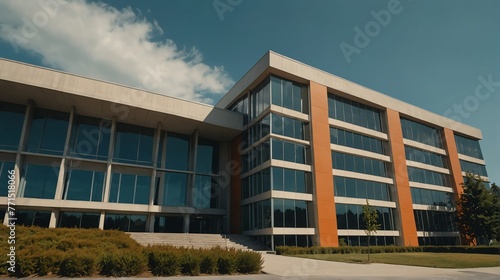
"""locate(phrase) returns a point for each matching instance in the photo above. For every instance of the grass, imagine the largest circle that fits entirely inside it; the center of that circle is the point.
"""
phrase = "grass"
(441, 260)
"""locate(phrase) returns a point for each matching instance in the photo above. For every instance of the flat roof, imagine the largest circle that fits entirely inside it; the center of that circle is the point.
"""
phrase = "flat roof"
(52, 89)
(274, 63)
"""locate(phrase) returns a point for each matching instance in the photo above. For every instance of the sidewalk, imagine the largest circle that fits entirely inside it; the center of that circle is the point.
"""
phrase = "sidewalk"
(285, 266)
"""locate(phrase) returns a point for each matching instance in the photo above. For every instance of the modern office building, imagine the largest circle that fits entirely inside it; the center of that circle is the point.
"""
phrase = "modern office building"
(289, 155)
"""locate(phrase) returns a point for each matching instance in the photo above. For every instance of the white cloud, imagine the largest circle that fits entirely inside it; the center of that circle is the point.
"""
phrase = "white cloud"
(99, 41)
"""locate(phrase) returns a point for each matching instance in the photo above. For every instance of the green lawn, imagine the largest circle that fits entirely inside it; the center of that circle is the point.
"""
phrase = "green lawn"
(443, 260)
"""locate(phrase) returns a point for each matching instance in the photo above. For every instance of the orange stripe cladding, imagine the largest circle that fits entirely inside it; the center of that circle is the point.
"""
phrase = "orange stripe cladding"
(455, 168)
(408, 228)
(235, 202)
(326, 222)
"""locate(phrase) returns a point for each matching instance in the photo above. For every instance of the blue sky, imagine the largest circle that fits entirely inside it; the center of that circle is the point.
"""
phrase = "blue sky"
(443, 56)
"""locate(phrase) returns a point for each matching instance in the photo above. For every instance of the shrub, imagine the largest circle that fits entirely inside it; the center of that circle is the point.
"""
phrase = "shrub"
(208, 263)
(25, 264)
(190, 263)
(249, 262)
(227, 262)
(48, 262)
(78, 264)
(163, 263)
(123, 263)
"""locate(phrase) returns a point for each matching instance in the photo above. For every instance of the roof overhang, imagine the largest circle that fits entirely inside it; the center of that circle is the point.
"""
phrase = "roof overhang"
(21, 83)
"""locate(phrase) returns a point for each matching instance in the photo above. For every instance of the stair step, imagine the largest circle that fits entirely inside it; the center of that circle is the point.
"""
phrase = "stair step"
(198, 240)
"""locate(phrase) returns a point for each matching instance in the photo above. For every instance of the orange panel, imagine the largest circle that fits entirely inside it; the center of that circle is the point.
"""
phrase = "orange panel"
(404, 202)
(322, 167)
(456, 170)
(235, 192)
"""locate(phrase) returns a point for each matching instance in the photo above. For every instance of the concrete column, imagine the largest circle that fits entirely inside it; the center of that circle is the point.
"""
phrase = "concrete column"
(54, 218)
(107, 183)
(187, 218)
(62, 165)
(151, 222)
(102, 219)
(156, 145)
(22, 143)
(192, 180)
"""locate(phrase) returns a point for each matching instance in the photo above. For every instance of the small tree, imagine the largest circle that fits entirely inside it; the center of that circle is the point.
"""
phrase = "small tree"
(370, 217)
(477, 215)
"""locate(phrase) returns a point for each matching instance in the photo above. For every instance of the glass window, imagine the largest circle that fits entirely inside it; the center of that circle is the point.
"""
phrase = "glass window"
(428, 177)
(277, 178)
(127, 223)
(204, 192)
(90, 138)
(290, 180)
(469, 147)
(15, 115)
(84, 185)
(134, 144)
(48, 132)
(177, 157)
(128, 188)
(421, 133)
(33, 218)
(341, 216)
(5, 166)
(39, 181)
(289, 151)
(174, 224)
(79, 220)
(300, 181)
(171, 187)
(207, 157)
(354, 112)
(277, 149)
(278, 212)
(276, 91)
(474, 168)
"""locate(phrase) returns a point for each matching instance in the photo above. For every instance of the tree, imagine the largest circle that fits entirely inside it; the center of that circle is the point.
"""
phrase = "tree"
(495, 191)
(370, 217)
(478, 210)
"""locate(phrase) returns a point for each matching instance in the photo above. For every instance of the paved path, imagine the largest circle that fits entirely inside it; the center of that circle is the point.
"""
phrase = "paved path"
(299, 268)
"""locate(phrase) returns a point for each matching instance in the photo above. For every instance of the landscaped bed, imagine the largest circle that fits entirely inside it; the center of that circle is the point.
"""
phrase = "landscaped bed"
(89, 252)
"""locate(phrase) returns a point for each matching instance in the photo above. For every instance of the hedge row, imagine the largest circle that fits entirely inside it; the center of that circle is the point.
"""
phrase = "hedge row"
(88, 252)
(290, 250)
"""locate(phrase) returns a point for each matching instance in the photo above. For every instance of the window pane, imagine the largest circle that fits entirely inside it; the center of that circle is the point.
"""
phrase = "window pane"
(277, 149)
(289, 207)
(5, 166)
(15, 115)
(48, 132)
(207, 158)
(175, 189)
(278, 212)
(39, 181)
(90, 138)
(177, 152)
(277, 178)
(276, 91)
(289, 180)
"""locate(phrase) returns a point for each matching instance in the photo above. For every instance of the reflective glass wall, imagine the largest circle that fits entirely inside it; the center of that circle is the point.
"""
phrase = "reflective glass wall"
(277, 136)
(72, 157)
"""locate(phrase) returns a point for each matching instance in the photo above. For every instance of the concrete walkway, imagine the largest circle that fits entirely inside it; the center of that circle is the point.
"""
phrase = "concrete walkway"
(299, 268)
